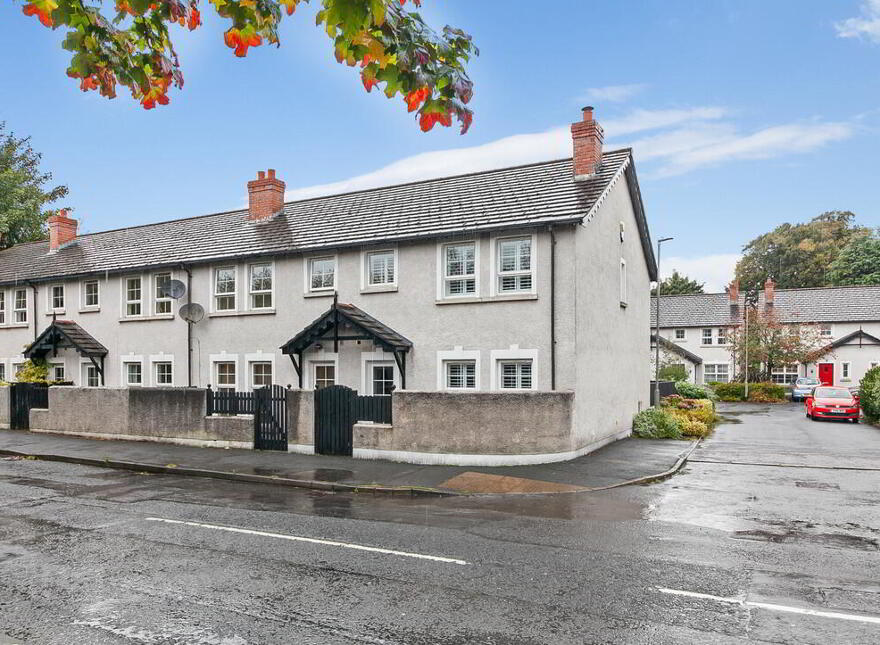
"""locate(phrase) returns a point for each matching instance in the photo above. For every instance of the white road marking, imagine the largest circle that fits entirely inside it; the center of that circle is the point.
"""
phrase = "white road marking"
(297, 538)
(773, 607)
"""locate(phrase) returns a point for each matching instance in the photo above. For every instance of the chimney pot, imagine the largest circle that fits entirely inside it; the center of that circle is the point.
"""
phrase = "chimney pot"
(265, 196)
(587, 138)
(62, 230)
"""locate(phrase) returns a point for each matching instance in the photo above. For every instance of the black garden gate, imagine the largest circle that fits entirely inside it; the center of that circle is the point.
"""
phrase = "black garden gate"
(270, 418)
(337, 409)
(23, 397)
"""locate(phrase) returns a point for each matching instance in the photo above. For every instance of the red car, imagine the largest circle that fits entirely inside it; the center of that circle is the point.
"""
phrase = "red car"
(832, 403)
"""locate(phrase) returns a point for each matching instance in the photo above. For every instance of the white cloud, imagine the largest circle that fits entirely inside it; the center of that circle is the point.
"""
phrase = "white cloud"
(865, 26)
(715, 270)
(613, 93)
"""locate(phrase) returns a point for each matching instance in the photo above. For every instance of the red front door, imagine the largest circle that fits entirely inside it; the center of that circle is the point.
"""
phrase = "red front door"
(826, 373)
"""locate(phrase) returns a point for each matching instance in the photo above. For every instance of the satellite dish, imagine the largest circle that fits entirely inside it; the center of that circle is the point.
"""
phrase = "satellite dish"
(192, 312)
(173, 289)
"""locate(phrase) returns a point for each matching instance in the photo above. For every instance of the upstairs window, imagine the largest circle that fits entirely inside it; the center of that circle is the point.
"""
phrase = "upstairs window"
(162, 286)
(261, 286)
(722, 336)
(133, 305)
(56, 297)
(515, 375)
(460, 270)
(19, 311)
(322, 274)
(515, 265)
(707, 336)
(679, 334)
(224, 289)
(2, 310)
(2, 371)
(381, 269)
(825, 331)
(90, 294)
(461, 375)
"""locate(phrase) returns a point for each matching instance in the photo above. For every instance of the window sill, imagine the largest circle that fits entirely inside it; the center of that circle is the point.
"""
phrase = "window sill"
(386, 289)
(90, 310)
(474, 299)
(253, 312)
(15, 325)
(319, 294)
(146, 318)
(56, 312)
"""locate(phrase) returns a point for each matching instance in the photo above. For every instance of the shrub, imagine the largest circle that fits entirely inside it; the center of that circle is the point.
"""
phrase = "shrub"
(730, 391)
(656, 423)
(766, 392)
(676, 373)
(691, 391)
(869, 394)
(694, 428)
(33, 371)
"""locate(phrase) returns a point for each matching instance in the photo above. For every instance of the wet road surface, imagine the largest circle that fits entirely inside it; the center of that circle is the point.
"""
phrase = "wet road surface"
(770, 534)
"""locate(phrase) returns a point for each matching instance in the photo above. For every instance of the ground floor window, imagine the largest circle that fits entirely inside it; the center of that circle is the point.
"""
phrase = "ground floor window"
(785, 375)
(846, 370)
(164, 373)
(381, 379)
(515, 375)
(133, 373)
(325, 375)
(716, 372)
(261, 374)
(91, 377)
(461, 375)
(2, 371)
(16, 369)
(225, 375)
(57, 373)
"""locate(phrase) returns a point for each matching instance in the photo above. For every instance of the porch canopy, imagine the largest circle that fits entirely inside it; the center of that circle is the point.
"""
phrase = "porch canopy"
(63, 334)
(347, 322)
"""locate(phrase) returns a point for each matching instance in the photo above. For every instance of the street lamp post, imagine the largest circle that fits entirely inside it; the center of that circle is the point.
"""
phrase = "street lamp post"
(657, 328)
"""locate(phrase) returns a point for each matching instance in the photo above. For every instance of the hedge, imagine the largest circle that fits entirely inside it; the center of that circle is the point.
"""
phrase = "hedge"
(691, 391)
(758, 392)
(869, 394)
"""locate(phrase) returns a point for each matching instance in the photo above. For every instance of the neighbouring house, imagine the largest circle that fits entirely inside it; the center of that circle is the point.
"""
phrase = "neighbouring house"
(847, 318)
(527, 280)
(672, 354)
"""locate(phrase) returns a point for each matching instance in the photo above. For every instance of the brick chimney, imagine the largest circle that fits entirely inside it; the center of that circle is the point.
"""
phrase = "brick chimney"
(587, 137)
(62, 230)
(733, 293)
(265, 196)
(769, 291)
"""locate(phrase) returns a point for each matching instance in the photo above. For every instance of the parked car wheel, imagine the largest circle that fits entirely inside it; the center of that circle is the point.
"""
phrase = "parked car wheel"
(855, 420)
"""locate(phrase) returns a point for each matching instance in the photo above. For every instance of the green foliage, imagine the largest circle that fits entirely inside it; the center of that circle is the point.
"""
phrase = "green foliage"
(797, 255)
(694, 428)
(869, 394)
(690, 412)
(691, 391)
(678, 284)
(771, 343)
(393, 46)
(656, 423)
(23, 191)
(758, 392)
(673, 372)
(730, 391)
(858, 262)
(33, 371)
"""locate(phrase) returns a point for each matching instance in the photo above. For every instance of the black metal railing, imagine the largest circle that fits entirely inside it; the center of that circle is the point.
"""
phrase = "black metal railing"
(224, 401)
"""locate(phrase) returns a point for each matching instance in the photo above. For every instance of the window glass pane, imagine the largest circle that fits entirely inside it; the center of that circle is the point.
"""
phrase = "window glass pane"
(2, 371)
(516, 375)
(163, 293)
(461, 375)
(164, 375)
(226, 375)
(58, 296)
(514, 265)
(224, 289)
(91, 293)
(92, 376)
(58, 372)
(261, 374)
(322, 273)
(380, 268)
(2, 309)
(261, 286)
(325, 376)
(382, 379)
(133, 373)
(133, 296)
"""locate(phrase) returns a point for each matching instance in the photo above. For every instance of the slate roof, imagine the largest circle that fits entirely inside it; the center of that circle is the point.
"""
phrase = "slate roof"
(66, 333)
(535, 194)
(378, 331)
(677, 349)
(817, 305)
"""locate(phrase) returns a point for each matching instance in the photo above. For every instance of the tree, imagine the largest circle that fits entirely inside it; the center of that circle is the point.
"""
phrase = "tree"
(392, 45)
(23, 191)
(677, 284)
(771, 344)
(858, 262)
(797, 255)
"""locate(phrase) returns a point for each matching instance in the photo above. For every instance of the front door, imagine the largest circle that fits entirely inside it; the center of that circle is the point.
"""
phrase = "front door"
(826, 373)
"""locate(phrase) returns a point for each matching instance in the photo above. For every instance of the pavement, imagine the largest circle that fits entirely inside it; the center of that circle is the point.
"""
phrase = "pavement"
(619, 463)
(769, 534)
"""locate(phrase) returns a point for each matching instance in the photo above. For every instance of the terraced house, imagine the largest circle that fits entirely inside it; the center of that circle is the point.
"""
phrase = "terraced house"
(694, 330)
(526, 279)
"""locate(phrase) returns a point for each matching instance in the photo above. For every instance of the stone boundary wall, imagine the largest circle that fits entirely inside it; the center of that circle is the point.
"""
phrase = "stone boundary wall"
(169, 415)
(301, 421)
(4, 406)
(473, 428)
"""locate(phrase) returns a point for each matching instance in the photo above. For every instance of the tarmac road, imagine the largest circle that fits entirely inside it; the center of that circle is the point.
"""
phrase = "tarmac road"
(770, 534)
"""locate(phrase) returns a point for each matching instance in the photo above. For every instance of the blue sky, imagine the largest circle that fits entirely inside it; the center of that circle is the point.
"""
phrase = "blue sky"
(743, 114)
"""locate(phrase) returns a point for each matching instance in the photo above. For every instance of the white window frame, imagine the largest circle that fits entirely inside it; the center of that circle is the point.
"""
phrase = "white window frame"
(721, 336)
(366, 273)
(313, 371)
(514, 353)
(2, 309)
(215, 295)
(497, 273)
(458, 355)
(259, 357)
(715, 372)
(846, 371)
(154, 372)
(154, 286)
(85, 366)
(3, 372)
(826, 330)
(442, 278)
(83, 294)
(624, 283)
(55, 365)
(371, 390)
(307, 274)
(517, 363)
(50, 299)
(447, 366)
(683, 334)
(785, 375)
(20, 314)
(223, 357)
(368, 359)
(126, 302)
(704, 337)
(124, 361)
(261, 292)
